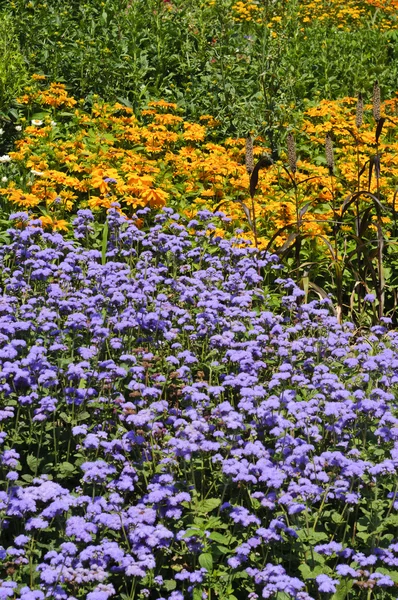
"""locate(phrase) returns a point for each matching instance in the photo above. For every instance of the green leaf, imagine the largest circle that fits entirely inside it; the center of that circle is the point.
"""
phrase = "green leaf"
(104, 242)
(337, 518)
(5, 238)
(313, 537)
(33, 462)
(214, 523)
(207, 506)
(240, 575)
(206, 561)
(197, 594)
(66, 468)
(318, 536)
(40, 115)
(14, 113)
(170, 585)
(342, 590)
(318, 558)
(306, 571)
(392, 520)
(83, 416)
(125, 101)
(66, 418)
(218, 537)
(223, 549)
(191, 532)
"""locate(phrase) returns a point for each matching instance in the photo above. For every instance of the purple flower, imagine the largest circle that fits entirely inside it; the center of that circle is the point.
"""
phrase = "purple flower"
(326, 584)
(36, 523)
(80, 529)
(345, 570)
(180, 407)
(328, 549)
(21, 540)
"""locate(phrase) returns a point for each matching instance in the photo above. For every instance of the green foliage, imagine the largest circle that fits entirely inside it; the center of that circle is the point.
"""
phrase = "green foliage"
(13, 72)
(199, 55)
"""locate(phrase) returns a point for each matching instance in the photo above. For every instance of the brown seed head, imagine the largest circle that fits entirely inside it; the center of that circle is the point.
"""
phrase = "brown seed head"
(291, 152)
(376, 102)
(329, 153)
(359, 115)
(249, 160)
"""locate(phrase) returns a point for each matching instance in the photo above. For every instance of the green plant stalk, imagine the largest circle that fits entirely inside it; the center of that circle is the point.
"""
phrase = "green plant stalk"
(298, 223)
(358, 225)
(337, 267)
(254, 223)
(380, 246)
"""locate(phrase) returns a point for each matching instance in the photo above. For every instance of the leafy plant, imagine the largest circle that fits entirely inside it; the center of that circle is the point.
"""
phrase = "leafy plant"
(242, 62)
(13, 71)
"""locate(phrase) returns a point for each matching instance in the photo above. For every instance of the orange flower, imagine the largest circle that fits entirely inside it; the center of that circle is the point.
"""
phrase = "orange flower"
(167, 119)
(21, 198)
(194, 132)
(162, 104)
(98, 177)
(155, 197)
(53, 223)
(37, 163)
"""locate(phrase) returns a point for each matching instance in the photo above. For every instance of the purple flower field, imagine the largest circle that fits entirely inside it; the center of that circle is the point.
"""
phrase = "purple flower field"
(174, 426)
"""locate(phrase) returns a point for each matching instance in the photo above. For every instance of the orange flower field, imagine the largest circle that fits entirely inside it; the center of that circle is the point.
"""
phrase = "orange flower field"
(73, 158)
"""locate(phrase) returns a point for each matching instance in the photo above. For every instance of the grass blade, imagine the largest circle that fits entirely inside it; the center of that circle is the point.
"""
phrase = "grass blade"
(105, 232)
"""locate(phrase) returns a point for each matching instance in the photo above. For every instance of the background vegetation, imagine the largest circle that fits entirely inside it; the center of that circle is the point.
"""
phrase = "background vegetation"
(250, 64)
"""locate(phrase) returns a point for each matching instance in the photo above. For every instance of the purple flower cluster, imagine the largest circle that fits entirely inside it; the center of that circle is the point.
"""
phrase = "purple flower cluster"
(171, 424)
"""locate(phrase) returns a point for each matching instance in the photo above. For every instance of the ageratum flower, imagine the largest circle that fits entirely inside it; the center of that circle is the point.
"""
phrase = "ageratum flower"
(326, 583)
(177, 403)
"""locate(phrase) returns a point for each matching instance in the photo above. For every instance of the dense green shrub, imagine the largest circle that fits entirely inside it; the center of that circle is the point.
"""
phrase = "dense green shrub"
(13, 72)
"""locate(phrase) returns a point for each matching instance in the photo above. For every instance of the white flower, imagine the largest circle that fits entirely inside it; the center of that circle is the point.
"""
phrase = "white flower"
(53, 123)
(1, 131)
(5, 158)
(18, 127)
(36, 122)
(4, 179)
(37, 173)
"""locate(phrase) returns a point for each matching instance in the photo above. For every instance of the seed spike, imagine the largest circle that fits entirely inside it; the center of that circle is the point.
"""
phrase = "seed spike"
(376, 102)
(359, 115)
(249, 160)
(291, 152)
(329, 153)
